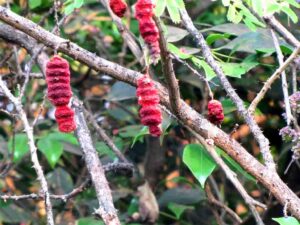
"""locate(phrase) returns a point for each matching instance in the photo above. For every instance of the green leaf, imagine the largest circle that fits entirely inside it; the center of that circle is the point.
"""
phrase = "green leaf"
(175, 34)
(176, 51)
(228, 106)
(249, 24)
(258, 6)
(103, 149)
(78, 3)
(273, 8)
(69, 9)
(140, 135)
(286, 221)
(202, 64)
(160, 6)
(293, 3)
(226, 2)
(34, 3)
(89, 221)
(214, 37)
(71, 5)
(21, 146)
(290, 13)
(173, 10)
(178, 209)
(51, 148)
(199, 162)
(237, 69)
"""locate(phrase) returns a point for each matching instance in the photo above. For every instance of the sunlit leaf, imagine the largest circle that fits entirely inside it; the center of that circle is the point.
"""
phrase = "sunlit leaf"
(199, 162)
(21, 146)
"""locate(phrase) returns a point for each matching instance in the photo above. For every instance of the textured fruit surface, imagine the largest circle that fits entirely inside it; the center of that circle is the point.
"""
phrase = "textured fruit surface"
(65, 119)
(119, 7)
(147, 27)
(59, 92)
(148, 99)
(215, 112)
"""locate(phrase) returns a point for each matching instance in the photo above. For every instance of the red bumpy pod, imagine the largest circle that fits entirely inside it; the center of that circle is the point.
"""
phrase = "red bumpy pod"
(59, 92)
(148, 99)
(147, 27)
(119, 7)
(215, 112)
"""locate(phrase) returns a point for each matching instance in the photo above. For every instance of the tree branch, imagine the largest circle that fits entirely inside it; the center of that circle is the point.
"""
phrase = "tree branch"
(33, 150)
(258, 134)
(271, 80)
(189, 117)
(168, 70)
(106, 208)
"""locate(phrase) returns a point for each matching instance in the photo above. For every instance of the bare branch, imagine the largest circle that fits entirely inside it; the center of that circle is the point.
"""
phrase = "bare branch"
(258, 134)
(271, 80)
(33, 150)
(278, 27)
(106, 208)
(168, 70)
(288, 110)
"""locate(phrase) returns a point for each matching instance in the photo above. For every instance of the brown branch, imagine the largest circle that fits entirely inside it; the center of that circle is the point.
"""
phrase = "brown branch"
(258, 134)
(232, 177)
(168, 70)
(106, 208)
(189, 117)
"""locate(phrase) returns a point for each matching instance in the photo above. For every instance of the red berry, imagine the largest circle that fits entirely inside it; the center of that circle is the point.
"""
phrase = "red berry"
(59, 92)
(215, 112)
(148, 99)
(147, 27)
(119, 7)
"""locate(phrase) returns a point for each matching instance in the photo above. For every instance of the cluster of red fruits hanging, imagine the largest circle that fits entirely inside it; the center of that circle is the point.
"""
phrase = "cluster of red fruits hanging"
(58, 77)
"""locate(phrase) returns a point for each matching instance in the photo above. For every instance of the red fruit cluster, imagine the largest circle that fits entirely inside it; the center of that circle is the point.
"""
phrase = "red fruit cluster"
(215, 112)
(147, 26)
(148, 99)
(59, 92)
(119, 7)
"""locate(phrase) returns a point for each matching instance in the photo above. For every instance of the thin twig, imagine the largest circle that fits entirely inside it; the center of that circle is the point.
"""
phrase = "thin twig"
(271, 80)
(288, 110)
(30, 64)
(76, 191)
(33, 150)
(106, 139)
(278, 27)
(214, 201)
(199, 75)
(258, 134)
(168, 70)
(127, 36)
